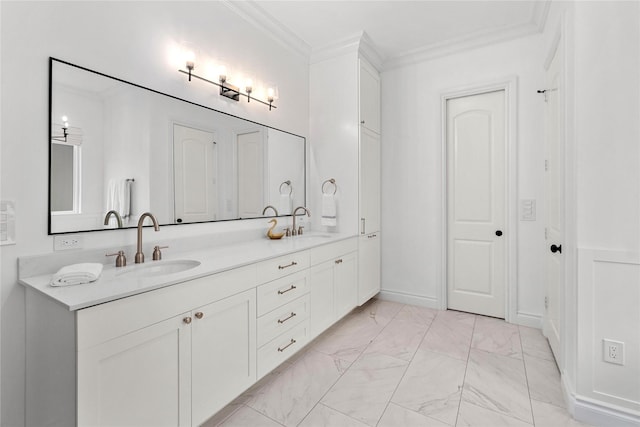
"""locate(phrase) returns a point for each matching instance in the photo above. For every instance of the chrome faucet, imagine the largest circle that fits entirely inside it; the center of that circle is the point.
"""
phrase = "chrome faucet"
(114, 213)
(269, 207)
(294, 232)
(139, 254)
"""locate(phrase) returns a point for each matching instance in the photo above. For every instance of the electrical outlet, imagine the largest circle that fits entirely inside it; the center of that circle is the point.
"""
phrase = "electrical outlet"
(67, 242)
(613, 351)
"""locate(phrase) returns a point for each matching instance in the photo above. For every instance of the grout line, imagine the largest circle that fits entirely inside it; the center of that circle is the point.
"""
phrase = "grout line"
(526, 378)
(466, 368)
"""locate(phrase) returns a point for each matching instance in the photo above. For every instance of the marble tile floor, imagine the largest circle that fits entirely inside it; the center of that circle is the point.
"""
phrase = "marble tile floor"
(388, 364)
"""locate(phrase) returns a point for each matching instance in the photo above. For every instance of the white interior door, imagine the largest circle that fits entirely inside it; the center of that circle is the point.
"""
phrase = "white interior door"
(554, 202)
(195, 174)
(250, 174)
(476, 193)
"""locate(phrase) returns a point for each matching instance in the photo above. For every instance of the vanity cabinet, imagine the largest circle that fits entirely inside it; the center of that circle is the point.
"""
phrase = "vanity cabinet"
(333, 284)
(176, 355)
(368, 267)
(156, 358)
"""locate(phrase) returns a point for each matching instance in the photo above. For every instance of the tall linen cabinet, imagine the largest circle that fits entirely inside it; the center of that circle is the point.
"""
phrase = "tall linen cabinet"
(345, 145)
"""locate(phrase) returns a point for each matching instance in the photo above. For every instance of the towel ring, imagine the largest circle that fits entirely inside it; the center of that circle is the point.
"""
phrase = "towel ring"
(287, 182)
(330, 181)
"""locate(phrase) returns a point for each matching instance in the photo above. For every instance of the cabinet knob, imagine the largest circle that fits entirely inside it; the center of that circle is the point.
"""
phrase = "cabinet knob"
(361, 122)
(199, 315)
(187, 320)
(556, 248)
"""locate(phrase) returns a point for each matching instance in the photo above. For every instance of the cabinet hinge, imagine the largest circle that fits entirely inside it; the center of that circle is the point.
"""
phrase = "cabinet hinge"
(546, 165)
(546, 233)
(546, 303)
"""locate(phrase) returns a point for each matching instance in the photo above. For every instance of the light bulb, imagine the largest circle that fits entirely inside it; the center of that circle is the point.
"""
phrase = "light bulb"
(190, 58)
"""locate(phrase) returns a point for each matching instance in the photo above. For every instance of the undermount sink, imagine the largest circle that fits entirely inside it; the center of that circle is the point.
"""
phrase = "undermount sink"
(158, 268)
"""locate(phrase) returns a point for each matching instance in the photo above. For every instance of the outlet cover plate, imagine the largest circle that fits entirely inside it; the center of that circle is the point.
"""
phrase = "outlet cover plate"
(67, 242)
(613, 351)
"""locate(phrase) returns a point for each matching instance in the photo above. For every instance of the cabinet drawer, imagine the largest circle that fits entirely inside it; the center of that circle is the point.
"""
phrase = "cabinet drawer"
(280, 349)
(329, 252)
(282, 319)
(274, 294)
(282, 266)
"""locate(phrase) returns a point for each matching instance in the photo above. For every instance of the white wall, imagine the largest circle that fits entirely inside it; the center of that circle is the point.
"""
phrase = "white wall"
(412, 168)
(132, 41)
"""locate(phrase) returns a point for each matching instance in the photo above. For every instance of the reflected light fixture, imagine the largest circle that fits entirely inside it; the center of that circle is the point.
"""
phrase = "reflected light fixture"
(248, 88)
(227, 89)
(190, 62)
(65, 131)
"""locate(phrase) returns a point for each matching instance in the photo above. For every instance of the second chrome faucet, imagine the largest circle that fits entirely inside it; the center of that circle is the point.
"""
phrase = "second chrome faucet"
(139, 255)
(295, 232)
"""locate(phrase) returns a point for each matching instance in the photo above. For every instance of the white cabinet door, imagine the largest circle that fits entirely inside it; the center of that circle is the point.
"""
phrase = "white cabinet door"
(223, 353)
(345, 284)
(139, 379)
(368, 267)
(321, 297)
(369, 97)
(369, 182)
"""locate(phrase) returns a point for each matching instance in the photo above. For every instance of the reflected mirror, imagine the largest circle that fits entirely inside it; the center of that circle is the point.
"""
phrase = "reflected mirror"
(118, 146)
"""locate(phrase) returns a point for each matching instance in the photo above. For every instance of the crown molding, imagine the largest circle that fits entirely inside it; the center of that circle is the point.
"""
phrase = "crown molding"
(539, 14)
(251, 12)
(359, 43)
(469, 42)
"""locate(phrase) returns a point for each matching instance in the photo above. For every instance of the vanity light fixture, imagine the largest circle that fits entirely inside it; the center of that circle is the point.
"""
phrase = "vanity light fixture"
(65, 131)
(227, 89)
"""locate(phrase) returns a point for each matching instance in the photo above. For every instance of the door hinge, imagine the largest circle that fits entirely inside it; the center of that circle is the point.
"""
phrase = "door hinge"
(546, 303)
(546, 165)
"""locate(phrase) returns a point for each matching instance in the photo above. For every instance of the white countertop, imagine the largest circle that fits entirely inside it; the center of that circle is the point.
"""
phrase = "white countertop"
(110, 286)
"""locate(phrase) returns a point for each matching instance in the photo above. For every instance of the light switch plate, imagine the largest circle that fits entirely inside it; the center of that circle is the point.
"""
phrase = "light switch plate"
(7, 223)
(528, 210)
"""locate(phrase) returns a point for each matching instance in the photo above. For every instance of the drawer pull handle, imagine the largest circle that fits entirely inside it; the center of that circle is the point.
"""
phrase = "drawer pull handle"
(287, 346)
(371, 236)
(282, 267)
(339, 261)
(187, 320)
(199, 315)
(287, 290)
(287, 318)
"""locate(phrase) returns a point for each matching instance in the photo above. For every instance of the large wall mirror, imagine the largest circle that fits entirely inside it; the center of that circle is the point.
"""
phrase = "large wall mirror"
(117, 146)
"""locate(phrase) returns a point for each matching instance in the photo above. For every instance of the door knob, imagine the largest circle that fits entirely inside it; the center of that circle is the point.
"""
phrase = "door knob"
(498, 233)
(555, 248)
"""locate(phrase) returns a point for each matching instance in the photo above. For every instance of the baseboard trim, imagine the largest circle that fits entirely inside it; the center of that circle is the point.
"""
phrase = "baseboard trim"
(528, 319)
(409, 299)
(594, 412)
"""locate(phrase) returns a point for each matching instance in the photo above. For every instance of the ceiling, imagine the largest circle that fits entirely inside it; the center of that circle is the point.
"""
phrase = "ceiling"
(399, 31)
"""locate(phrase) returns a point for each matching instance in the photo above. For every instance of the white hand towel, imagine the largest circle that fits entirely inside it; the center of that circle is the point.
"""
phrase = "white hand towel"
(329, 217)
(77, 274)
(284, 206)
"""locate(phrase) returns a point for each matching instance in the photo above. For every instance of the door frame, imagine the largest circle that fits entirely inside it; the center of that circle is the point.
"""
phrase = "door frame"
(509, 86)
